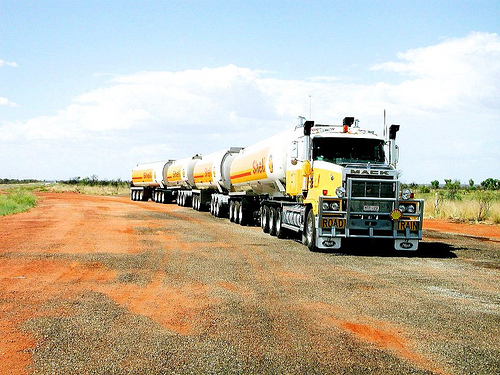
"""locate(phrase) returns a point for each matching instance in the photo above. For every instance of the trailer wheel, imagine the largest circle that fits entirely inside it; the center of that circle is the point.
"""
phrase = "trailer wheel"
(242, 218)
(280, 231)
(214, 206)
(219, 212)
(231, 211)
(264, 223)
(236, 212)
(309, 236)
(272, 221)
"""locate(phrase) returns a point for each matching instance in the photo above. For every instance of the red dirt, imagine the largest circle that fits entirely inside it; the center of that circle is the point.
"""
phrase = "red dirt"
(488, 231)
(34, 281)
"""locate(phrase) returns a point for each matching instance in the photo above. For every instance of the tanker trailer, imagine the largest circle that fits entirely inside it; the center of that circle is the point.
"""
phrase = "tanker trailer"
(149, 181)
(180, 179)
(211, 181)
(326, 184)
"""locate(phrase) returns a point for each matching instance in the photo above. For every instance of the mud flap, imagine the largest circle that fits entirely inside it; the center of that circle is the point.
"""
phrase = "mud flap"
(406, 245)
(328, 242)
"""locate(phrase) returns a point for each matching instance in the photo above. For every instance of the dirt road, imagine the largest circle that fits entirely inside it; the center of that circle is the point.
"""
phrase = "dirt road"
(104, 285)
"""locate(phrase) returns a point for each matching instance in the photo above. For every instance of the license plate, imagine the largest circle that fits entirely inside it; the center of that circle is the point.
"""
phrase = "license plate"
(412, 225)
(371, 208)
(331, 222)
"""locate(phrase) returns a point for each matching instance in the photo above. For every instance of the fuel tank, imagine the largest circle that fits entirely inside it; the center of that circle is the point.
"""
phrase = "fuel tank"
(150, 174)
(262, 167)
(212, 170)
(180, 172)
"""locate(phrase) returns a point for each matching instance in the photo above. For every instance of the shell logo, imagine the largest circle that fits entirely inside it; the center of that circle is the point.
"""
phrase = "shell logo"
(396, 214)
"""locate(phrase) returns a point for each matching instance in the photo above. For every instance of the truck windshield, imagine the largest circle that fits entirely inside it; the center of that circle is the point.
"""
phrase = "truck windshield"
(348, 150)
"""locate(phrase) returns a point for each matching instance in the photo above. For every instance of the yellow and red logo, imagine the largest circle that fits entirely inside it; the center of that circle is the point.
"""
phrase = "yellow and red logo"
(396, 214)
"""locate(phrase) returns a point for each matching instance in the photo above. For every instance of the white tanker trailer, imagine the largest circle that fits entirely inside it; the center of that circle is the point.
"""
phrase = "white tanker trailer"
(163, 181)
(324, 183)
(210, 176)
(149, 180)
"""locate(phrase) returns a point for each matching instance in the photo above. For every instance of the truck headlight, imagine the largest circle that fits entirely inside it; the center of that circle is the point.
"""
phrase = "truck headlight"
(406, 194)
(331, 206)
(407, 207)
(340, 191)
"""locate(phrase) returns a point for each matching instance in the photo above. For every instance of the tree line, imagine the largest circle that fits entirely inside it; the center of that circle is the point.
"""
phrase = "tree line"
(94, 181)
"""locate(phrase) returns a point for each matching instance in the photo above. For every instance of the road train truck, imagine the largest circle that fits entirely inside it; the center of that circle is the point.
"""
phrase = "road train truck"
(325, 184)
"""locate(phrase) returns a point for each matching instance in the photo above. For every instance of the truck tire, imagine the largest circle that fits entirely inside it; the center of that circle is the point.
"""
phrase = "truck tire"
(280, 231)
(264, 219)
(236, 212)
(309, 236)
(272, 221)
(231, 211)
(242, 218)
(218, 209)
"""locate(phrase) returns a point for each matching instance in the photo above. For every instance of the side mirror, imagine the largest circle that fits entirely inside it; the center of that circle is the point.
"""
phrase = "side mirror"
(294, 150)
(395, 157)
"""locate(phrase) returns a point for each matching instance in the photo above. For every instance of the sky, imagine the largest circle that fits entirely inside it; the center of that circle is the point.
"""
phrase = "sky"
(91, 88)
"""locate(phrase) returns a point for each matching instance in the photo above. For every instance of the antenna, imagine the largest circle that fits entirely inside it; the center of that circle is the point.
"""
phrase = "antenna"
(310, 105)
(385, 126)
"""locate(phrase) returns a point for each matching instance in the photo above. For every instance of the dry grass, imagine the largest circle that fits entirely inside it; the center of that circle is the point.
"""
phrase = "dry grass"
(86, 189)
(477, 206)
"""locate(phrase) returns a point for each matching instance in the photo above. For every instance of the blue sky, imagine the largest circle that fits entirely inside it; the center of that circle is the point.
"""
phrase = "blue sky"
(94, 87)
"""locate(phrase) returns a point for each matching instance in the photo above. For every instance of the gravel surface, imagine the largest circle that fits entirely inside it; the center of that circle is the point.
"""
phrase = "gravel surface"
(96, 285)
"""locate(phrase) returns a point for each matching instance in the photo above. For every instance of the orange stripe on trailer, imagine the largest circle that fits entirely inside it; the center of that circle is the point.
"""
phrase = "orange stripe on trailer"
(240, 175)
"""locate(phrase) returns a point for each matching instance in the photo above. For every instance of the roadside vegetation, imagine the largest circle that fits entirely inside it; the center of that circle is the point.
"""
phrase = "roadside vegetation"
(89, 185)
(461, 202)
(13, 202)
(19, 195)
(450, 200)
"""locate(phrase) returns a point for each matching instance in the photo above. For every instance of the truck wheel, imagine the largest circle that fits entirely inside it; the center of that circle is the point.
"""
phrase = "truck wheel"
(264, 219)
(236, 212)
(309, 236)
(280, 231)
(231, 211)
(272, 221)
(242, 218)
(213, 206)
(219, 209)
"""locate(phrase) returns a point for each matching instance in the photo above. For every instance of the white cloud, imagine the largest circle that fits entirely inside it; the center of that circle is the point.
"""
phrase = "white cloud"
(456, 72)
(8, 63)
(446, 101)
(6, 102)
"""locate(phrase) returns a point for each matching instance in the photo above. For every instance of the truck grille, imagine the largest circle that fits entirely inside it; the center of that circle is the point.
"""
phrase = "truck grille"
(373, 189)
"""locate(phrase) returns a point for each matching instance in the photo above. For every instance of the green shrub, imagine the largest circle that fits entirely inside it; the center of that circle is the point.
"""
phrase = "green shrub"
(12, 203)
